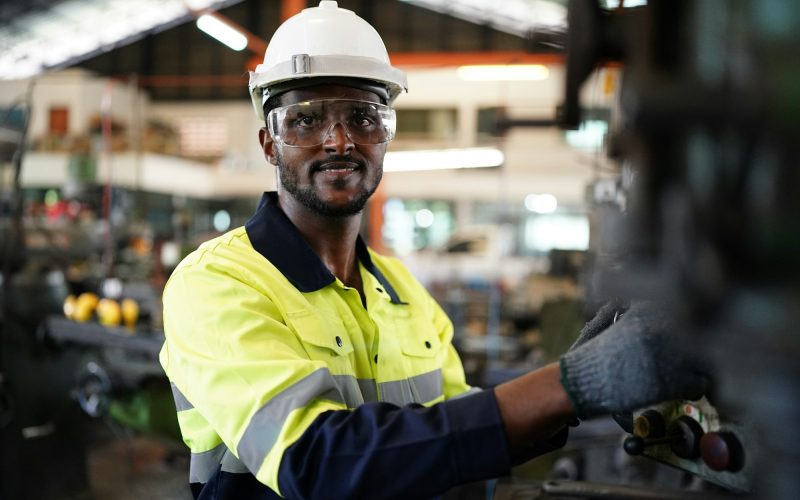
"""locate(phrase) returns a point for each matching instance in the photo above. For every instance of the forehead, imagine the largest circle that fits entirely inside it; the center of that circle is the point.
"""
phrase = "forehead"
(327, 92)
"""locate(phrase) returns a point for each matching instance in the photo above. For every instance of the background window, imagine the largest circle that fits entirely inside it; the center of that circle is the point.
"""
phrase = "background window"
(437, 124)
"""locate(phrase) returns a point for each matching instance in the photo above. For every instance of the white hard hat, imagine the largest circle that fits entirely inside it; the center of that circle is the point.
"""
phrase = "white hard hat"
(321, 43)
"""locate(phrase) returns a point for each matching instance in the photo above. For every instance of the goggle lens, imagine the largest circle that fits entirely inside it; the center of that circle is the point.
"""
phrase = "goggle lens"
(308, 123)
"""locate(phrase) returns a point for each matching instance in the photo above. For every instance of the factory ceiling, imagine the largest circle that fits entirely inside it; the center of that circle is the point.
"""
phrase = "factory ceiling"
(156, 43)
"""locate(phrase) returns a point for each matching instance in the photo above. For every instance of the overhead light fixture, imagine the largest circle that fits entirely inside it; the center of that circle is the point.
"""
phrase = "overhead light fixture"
(74, 30)
(614, 4)
(223, 32)
(518, 17)
(199, 4)
(501, 72)
(442, 159)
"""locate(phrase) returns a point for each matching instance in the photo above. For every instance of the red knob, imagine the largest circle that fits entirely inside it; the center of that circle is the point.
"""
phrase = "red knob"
(722, 451)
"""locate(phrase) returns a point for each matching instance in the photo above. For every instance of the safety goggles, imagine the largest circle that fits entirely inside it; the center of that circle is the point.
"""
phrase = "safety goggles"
(307, 124)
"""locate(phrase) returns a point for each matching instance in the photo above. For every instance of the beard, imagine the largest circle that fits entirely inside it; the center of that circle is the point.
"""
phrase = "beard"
(309, 198)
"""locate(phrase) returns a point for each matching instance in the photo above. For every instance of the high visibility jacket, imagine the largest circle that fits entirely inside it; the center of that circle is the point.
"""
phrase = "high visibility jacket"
(264, 346)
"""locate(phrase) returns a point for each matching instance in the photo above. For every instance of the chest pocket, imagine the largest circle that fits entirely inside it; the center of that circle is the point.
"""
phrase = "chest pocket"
(422, 352)
(324, 339)
(419, 342)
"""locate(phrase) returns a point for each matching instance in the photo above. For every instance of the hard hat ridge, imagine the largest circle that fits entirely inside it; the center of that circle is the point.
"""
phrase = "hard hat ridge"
(325, 44)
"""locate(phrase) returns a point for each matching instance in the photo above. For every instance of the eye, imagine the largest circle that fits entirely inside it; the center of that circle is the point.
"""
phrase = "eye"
(363, 119)
(305, 120)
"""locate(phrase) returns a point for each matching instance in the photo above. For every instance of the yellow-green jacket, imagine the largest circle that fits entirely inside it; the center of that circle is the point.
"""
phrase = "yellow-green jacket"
(262, 341)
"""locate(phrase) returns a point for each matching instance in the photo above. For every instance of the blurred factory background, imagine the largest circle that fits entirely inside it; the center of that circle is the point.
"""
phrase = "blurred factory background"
(127, 137)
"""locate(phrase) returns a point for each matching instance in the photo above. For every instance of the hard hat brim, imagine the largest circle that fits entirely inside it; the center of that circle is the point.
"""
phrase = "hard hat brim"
(262, 81)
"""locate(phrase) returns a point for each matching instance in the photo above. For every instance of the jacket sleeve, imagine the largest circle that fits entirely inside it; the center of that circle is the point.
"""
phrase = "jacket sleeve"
(241, 370)
(380, 450)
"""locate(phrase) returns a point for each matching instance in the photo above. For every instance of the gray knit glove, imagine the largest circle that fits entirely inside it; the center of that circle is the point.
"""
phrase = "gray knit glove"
(603, 318)
(639, 360)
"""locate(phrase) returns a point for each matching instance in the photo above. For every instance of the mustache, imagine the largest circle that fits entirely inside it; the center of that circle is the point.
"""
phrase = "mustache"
(319, 164)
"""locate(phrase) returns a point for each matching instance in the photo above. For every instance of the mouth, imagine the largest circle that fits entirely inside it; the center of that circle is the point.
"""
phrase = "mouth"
(337, 170)
(338, 166)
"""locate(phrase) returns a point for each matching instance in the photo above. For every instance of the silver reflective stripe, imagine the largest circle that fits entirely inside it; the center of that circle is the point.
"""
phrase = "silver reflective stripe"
(264, 427)
(350, 390)
(416, 389)
(181, 403)
(203, 465)
(232, 464)
(369, 390)
(471, 391)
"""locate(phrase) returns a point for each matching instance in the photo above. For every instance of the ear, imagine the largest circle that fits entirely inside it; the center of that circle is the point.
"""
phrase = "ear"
(267, 145)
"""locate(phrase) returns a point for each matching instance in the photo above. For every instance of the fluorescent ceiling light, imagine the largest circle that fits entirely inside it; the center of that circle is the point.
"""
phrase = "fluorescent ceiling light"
(498, 72)
(199, 4)
(74, 30)
(518, 17)
(541, 203)
(442, 159)
(614, 4)
(222, 32)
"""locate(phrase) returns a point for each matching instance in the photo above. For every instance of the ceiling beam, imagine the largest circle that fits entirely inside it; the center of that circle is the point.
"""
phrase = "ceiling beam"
(449, 59)
(291, 7)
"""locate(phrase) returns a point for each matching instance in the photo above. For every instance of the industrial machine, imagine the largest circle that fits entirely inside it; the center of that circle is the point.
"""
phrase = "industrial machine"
(707, 140)
(56, 374)
(38, 421)
(693, 436)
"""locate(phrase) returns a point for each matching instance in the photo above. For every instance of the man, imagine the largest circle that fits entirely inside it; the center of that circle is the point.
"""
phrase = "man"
(306, 365)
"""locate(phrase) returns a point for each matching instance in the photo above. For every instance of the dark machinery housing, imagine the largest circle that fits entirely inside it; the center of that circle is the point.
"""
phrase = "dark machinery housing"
(710, 128)
(55, 373)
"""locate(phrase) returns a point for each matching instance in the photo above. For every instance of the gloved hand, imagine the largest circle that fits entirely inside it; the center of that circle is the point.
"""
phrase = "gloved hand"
(604, 318)
(635, 362)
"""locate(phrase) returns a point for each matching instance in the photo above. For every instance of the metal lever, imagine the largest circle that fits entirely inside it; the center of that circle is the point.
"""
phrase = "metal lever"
(634, 445)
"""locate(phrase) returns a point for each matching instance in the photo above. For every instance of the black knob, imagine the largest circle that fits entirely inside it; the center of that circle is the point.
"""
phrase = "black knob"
(690, 432)
(634, 445)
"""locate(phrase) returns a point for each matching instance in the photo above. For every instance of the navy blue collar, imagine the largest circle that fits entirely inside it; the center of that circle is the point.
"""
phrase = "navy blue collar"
(275, 237)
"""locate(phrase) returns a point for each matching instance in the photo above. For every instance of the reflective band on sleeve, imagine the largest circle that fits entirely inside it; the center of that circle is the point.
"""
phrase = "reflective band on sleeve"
(181, 403)
(471, 391)
(417, 389)
(350, 390)
(203, 465)
(369, 390)
(266, 424)
(232, 464)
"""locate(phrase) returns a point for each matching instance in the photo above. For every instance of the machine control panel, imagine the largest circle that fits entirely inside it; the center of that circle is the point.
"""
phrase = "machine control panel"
(691, 435)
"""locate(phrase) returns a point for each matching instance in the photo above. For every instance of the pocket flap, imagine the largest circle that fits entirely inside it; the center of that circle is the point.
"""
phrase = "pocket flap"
(328, 333)
(423, 346)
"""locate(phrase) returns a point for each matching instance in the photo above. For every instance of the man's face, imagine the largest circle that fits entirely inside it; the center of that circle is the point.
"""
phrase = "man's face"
(335, 178)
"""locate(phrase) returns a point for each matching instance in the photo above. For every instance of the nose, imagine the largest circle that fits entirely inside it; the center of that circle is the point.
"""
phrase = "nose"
(337, 140)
